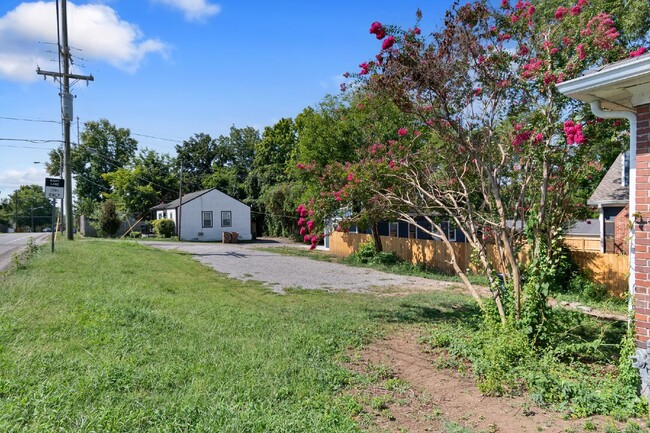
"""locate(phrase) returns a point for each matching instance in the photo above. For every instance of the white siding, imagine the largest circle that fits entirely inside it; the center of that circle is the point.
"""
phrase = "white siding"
(215, 201)
(169, 213)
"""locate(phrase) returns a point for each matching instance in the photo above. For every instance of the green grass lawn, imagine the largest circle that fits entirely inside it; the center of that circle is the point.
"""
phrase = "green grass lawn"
(117, 337)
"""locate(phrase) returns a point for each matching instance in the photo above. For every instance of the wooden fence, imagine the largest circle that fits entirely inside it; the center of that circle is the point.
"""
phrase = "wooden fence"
(581, 243)
(610, 270)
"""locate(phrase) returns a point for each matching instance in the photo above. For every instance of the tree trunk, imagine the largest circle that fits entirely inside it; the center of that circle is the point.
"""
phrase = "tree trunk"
(376, 238)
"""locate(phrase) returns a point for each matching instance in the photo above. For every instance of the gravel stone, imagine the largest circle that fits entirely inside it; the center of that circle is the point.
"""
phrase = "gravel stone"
(280, 272)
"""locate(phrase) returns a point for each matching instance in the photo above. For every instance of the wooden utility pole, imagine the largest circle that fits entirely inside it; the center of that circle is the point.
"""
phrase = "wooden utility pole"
(66, 112)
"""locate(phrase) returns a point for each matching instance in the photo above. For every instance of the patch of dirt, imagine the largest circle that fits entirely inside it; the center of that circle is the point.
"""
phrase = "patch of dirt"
(404, 391)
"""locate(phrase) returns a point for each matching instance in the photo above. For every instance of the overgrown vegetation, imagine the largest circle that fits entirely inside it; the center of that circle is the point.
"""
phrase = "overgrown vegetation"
(583, 368)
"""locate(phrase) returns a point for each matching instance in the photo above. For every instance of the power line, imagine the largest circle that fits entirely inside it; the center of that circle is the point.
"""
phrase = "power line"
(157, 138)
(58, 122)
(30, 140)
(24, 119)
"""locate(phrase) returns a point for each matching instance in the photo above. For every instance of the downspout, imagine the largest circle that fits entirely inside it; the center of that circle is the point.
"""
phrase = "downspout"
(597, 109)
(601, 223)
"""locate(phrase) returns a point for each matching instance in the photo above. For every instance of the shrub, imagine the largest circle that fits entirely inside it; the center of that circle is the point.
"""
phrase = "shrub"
(367, 255)
(135, 234)
(164, 227)
(109, 221)
(580, 285)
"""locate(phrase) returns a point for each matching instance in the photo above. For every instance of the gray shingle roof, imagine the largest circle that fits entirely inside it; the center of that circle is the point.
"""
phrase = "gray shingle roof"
(590, 227)
(610, 190)
(186, 198)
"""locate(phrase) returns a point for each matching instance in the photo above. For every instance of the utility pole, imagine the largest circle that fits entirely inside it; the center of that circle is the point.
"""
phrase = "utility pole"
(180, 200)
(16, 210)
(66, 112)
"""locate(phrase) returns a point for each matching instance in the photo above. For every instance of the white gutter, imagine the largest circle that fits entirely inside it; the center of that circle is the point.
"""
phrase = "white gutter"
(597, 109)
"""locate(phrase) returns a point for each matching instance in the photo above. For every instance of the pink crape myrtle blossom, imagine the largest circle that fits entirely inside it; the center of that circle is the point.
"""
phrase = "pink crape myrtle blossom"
(388, 43)
(402, 132)
(638, 52)
(561, 12)
(573, 132)
(378, 30)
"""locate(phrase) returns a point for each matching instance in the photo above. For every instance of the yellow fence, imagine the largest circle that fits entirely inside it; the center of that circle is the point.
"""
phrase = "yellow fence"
(608, 269)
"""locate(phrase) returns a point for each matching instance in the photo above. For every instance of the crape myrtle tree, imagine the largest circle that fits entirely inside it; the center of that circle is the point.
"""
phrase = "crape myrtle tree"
(503, 149)
(346, 182)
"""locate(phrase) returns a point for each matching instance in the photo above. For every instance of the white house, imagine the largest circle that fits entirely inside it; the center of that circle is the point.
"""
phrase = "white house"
(205, 215)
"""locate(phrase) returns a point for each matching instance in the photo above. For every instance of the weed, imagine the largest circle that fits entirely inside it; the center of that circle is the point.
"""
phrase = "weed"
(453, 427)
(381, 402)
(589, 426)
(632, 427)
(397, 384)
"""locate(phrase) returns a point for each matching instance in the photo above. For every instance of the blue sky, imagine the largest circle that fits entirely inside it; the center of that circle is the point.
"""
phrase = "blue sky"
(173, 68)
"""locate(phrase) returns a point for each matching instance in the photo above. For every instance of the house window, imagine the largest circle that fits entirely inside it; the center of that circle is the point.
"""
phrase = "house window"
(451, 235)
(207, 219)
(226, 218)
(392, 229)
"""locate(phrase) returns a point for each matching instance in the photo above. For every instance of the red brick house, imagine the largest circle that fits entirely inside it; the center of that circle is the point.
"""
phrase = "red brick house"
(622, 90)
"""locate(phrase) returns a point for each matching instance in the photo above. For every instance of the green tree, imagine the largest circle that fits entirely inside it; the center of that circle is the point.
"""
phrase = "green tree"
(109, 220)
(196, 156)
(270, 179)
(29, 203)
(149, 179)
(104, 148)
(357, 125)
(233, 160)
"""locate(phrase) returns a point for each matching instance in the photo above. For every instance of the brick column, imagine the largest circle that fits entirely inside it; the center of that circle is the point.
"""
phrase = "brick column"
(642, 231)
(622, 232)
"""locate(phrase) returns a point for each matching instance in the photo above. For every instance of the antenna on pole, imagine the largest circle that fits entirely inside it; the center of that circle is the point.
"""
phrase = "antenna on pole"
(66, 107)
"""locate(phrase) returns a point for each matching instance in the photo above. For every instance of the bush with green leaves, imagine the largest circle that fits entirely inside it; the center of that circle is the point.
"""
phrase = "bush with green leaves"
(164, 227)
(366, 254)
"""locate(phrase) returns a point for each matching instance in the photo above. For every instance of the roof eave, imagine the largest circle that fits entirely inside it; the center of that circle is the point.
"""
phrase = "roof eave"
(610, 83)
(608, 202)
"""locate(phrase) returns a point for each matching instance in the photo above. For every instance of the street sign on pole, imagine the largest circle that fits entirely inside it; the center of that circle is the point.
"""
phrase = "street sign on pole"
(54, 187)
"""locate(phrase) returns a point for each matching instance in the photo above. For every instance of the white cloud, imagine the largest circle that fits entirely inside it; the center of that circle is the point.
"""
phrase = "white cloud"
(12, 179)
(96, 29)
(194, 10)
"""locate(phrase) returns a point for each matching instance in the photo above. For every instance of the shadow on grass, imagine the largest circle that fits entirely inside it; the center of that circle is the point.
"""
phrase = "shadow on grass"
(414, 312)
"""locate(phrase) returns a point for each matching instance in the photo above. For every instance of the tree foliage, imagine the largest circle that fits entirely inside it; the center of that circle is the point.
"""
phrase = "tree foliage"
(233, 161)
(25, 203)
(104, 148)
(195, 157)
(149, 179)
(109, 219)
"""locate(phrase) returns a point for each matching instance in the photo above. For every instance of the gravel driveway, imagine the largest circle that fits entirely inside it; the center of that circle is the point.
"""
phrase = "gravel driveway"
(279, 272)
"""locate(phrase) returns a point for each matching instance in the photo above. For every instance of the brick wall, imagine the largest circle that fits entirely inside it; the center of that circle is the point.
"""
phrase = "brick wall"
(642, 231)
(621, 232)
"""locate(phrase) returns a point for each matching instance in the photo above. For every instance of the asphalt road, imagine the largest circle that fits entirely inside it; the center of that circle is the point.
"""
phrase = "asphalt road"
(11, 243)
